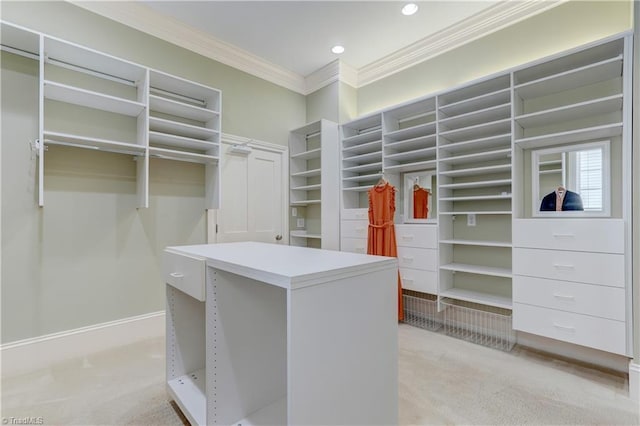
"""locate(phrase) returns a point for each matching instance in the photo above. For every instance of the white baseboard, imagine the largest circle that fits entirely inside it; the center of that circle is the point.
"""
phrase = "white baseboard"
(581, 353)
(634, 382)
(41, 352)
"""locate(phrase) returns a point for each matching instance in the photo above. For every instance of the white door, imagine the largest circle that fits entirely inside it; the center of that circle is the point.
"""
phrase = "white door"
(252, 204)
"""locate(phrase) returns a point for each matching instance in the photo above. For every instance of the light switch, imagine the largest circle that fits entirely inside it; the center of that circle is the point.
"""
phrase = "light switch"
(294, 211)
(471, 219)
(300, 222)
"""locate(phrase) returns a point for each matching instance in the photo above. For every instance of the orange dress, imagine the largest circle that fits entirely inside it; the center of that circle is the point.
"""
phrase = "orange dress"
(382, 233)
(420, 199)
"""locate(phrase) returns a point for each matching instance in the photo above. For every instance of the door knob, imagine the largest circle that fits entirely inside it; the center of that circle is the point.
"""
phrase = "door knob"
(278, 237)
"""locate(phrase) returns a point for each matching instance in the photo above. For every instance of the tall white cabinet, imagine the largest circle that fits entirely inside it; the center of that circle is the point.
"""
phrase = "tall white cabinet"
(496, 147)
(313, 185)
(92, 100)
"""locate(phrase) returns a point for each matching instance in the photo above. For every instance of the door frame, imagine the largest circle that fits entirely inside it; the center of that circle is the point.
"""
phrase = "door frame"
(227, 141)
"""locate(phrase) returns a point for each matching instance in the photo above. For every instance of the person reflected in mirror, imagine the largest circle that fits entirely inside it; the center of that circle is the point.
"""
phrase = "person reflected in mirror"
(561, 200)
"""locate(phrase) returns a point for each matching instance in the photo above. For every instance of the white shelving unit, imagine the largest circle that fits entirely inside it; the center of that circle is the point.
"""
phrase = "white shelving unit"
(361, 160)
(474, 186)
(477, 139)
(124, 108)
(410, 138)
(314, 183)
(184, 125)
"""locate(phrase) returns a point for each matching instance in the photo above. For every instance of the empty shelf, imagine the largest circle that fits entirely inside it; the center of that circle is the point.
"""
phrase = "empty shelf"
(578, 77)
(597, 132)
(188, 392)
(363, 168)
(362, 138)
(307, 155)
(477, 197)
(477, 184)
(418, 154)
(483, 101)
(87, 98)
(477, 170)
(362, 178)
(502, 140)
(479, 156)
(304, 202)
(273, 414)
(477, 269)
(483, 130)
(477, 297)
(363, 158)
(181, 129)
(488, 212)
(477, 243)
(412, 132)
(308, 173)
(181, 109)
(411, 144)
(304, 234)
(411, 167)
(358, 188)
(364, 148)
(491, 113)
(571, 112)
(306, 187)
(180, 141)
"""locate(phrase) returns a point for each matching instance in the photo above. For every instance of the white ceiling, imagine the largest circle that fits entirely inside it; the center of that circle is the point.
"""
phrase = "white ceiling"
(288, 42)
(298, 35)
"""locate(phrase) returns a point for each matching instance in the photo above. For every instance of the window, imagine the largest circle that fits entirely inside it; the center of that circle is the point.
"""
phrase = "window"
(589, 178)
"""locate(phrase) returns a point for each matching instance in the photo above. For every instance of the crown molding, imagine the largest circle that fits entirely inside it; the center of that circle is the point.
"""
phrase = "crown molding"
(145, 19)
(323, 77)
(488, 21)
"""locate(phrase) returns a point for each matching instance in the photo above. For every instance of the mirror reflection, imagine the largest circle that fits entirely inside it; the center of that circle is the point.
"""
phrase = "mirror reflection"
(571, 179)
(418, 196)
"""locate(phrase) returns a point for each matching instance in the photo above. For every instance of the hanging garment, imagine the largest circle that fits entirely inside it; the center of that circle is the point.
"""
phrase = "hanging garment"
(569, 200)
(420, 203)
(382, 234)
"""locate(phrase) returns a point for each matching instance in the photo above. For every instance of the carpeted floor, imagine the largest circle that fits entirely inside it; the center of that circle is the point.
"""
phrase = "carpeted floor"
(442, 381)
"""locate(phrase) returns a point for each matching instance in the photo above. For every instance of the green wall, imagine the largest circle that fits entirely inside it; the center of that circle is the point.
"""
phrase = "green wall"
(563, 27)
(323, 103)
(89, 255)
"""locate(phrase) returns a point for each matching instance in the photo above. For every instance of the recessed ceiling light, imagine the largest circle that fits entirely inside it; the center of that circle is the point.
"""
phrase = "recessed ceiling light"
(409, 9)
(337, 49)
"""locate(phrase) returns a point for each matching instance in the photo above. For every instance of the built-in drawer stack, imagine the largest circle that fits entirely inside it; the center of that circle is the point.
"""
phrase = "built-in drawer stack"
(569, 281)
(418, 257)
(354, 229)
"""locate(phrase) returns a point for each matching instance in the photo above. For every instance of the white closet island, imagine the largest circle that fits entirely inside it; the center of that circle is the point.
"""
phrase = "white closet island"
(271, 334)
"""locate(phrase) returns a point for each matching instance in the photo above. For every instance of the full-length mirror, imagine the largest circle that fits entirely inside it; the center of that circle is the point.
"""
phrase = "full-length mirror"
(419, 191)
(571, 180)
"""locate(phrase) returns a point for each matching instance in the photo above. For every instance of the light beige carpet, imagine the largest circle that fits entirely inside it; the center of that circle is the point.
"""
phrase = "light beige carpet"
(442, 381)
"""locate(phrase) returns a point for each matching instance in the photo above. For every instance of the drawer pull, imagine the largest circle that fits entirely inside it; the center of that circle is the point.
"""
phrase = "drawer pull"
(359, 215)
(407, 280)
(561, 266)
(407, 237)
(360, 229)
(564, 327)
(555, 235)
(563, 296)
(408, 259)
(359, 249)
(177, 275)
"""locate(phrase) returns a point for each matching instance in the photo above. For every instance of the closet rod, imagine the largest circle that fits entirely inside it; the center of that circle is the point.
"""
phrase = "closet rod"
(20, 52)
(178, 96)
(93, 147)
(91, 72)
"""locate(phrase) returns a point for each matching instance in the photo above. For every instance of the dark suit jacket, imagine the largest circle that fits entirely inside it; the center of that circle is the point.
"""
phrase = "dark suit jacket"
(571, 201)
